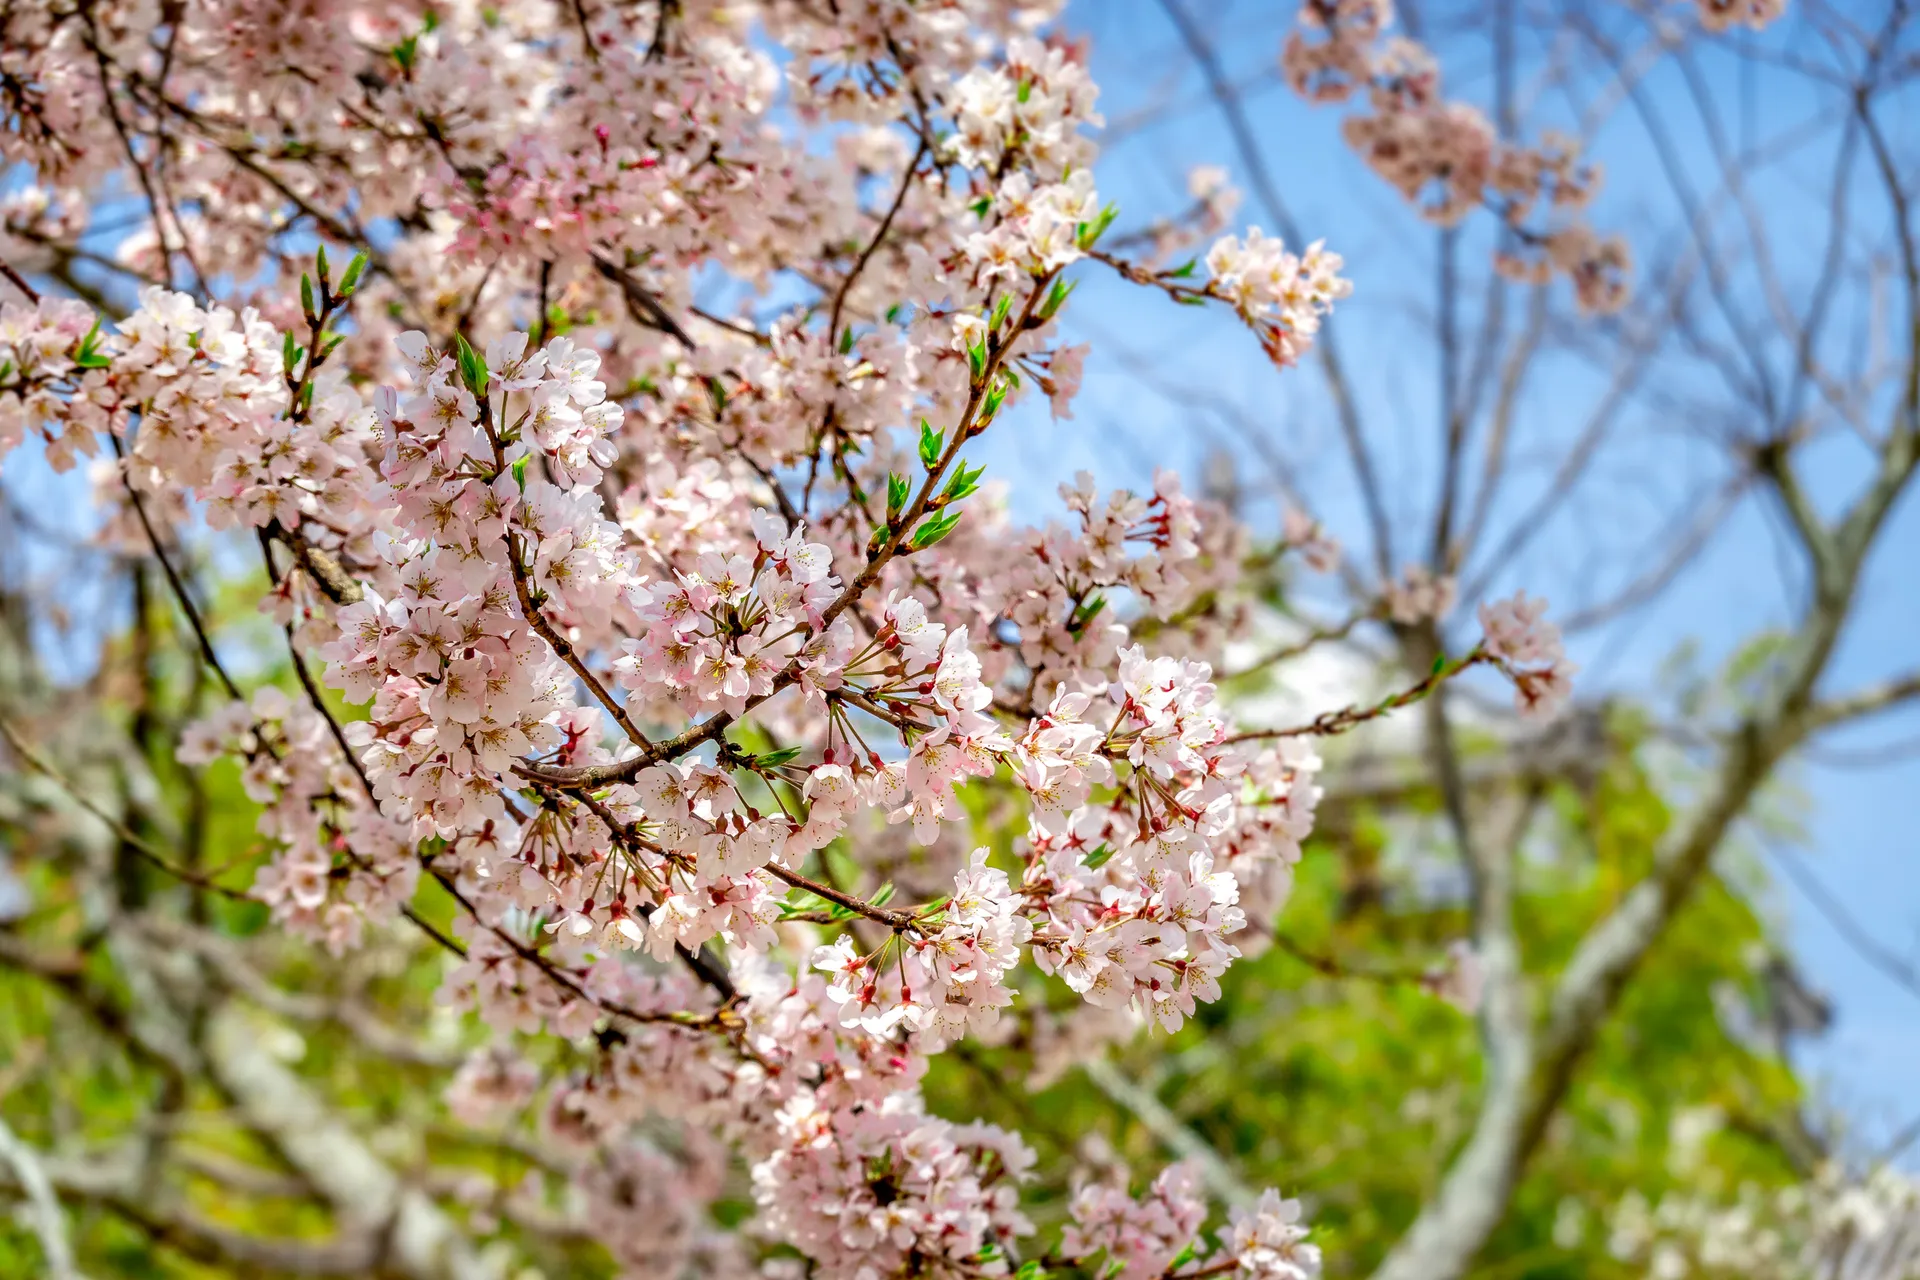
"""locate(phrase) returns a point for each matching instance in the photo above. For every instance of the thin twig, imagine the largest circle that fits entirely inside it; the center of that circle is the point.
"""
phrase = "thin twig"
(173, 579)
(131, 838)
(19, 282)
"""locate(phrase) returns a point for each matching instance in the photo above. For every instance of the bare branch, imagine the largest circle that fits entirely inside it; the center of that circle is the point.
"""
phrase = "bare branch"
(1829, 712)
(49, 1224)
(1168, 1129)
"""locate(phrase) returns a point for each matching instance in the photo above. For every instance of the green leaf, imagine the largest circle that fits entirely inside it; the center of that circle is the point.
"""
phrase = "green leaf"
(931, 442)
(520, 472)
(1184, 270)
(964, 482)
(306, 298)
(846, 341)
(977, 359)
(883, 895)
(774, 759)
(320, 266)
(1057, 298)
(1086, 613)
(936, 528)
(473, 365)
(89, 355)
(289, 352)
(1089, 233)
(896, 495)
(802, 904)
(995, 398)
(351, 280)
(980, 206)
(403, 53)
(1000, 310)
(1098, 858)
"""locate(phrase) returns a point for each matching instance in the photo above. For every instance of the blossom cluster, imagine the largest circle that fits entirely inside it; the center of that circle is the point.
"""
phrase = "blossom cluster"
(1148, 1237)
(338, 861)
(1282, 294)
(1724, 15)
(40, 359)
(663, 619)
(1445, 156)
(1527, 648)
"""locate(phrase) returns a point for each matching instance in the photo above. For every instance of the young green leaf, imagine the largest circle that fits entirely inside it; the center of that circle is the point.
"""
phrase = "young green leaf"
(473, 365)
(89, 356)
(351, 280)
(964, 483)
(931, 442)
(1057, 298)
(935, 528)
(1085, 614)
(774, 759)
(996, 397)
(1089, 233)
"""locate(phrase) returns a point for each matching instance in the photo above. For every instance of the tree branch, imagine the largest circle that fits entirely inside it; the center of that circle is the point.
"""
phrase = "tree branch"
(49, 1224)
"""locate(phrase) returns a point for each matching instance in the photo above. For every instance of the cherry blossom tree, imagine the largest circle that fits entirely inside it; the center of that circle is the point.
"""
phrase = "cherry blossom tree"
(591, 390)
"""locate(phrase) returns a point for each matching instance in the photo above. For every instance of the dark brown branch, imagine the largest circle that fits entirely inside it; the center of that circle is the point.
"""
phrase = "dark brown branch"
(19, 282)
(173, 579)
(873, 245)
